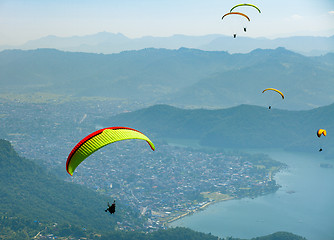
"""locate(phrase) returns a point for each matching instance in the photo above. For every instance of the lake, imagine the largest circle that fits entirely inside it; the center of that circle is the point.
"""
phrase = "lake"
(304, 205)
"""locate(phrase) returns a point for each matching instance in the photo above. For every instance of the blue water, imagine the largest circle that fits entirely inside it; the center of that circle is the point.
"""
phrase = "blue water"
(304, 205)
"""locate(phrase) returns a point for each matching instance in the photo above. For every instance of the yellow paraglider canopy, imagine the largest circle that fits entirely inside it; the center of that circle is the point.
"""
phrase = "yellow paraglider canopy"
(273, 89)
(321, 132)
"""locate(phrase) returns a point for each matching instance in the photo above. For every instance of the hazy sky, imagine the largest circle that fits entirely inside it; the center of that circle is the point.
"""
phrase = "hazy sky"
(23, 20)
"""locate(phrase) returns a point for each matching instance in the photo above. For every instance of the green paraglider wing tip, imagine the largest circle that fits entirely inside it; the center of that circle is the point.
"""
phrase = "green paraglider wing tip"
(245, 4)
(99, 139)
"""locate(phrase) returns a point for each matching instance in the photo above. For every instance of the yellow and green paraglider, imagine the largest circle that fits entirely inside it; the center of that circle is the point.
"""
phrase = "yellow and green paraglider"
(275, 90)
(248, 6)
(99, 139)
(245, 4)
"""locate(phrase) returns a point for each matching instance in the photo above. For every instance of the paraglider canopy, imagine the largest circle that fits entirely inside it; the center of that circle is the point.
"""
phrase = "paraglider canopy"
(244, 16)
(236, 13)
(245, 4)
(273, 89)
(99, 139)
(321, 132)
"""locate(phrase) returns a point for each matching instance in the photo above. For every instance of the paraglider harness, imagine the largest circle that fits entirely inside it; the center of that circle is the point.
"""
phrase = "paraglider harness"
(111, 208)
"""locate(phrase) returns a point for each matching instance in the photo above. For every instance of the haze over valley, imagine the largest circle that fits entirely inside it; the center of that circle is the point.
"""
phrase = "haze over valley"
(153, 120)
(183, 77)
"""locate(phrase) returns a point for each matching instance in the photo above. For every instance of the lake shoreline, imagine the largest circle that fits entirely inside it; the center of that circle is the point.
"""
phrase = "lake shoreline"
(298, 193)
(189, 212)
(209, 203)
(212, 200)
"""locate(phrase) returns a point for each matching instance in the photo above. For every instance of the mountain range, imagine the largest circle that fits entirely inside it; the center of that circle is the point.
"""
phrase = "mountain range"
(106, 42)
(244, 126)
(183, 77)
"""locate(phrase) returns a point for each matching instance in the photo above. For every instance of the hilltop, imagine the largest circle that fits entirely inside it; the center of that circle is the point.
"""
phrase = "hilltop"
(244, 126)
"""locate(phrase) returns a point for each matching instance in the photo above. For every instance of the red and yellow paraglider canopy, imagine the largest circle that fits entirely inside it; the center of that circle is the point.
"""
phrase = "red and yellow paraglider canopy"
(99, 139)
(321, 132)
(236, 13)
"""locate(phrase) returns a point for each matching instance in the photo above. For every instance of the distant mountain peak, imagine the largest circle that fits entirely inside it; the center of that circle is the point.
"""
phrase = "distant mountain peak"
(108, 42)
(281, 50)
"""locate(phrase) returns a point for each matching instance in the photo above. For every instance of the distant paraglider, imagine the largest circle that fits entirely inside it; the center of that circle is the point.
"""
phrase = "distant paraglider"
(245, 4)
(275, 90)
(321, 132)
(99, 139)
(237, 13)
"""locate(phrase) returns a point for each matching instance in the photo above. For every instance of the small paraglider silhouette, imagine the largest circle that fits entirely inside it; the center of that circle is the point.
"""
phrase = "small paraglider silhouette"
(111, 208)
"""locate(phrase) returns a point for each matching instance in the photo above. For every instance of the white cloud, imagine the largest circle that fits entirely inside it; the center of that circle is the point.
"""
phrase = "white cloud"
(296, 17)
(331, 12)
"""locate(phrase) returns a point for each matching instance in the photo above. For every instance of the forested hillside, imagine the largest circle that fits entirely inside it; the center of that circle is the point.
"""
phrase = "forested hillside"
(30, 195)
(244, 126)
